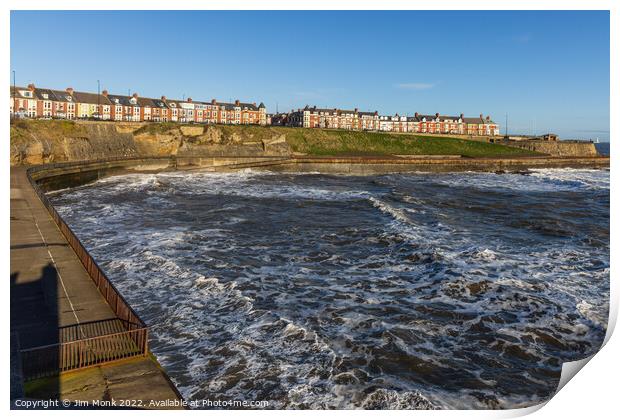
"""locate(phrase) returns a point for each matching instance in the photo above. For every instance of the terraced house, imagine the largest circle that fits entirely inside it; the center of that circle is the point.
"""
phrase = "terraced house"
(313, 117)
(33, 102)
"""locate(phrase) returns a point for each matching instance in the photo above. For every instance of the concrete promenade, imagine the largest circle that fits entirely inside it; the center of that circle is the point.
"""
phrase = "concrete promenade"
(51, 289)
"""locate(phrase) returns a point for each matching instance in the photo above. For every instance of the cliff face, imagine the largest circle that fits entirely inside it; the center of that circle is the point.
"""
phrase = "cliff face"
(36, 142)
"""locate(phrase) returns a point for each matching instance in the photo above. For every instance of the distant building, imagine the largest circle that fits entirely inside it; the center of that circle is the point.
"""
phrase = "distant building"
(313, 117)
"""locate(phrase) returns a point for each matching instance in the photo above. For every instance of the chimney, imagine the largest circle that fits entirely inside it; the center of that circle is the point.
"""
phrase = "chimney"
(488, 118)
(416, 115)
(462, 116)
(254, 103)
(31, 87)
(213, 101)
(69, 90)
(105, 93)
(163, 98)
(135, 95)
(376, 113)
(237, 102)
(437, 115)
(355, 110)
(481, 117)
(189, 99)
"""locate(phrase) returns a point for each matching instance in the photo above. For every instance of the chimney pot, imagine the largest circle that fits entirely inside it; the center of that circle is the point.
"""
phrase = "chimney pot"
(416, 115)
(189, 99)
(237, 102)
(31, 86)
(163, 98)
(104, 92)
(213, 101)
(69, 90)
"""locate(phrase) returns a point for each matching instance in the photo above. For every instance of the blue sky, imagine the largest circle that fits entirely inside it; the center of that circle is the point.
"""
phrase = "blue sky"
(549, 70)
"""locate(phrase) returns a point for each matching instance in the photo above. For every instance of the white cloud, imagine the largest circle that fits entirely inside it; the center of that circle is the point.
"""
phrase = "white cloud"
(416, 86)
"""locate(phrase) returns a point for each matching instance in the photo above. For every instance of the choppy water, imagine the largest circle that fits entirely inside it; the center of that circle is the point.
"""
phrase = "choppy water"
(399, 291)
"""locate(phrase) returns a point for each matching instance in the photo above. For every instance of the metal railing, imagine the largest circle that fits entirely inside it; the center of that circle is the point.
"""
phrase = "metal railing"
(49, 360)
(92, 343)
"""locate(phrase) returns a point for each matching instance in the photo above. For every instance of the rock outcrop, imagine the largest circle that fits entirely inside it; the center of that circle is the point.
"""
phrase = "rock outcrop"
(36, 142)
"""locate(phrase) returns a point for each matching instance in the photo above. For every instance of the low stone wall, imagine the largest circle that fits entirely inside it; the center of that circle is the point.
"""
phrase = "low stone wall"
(357, 166)
(71, 174)
(555, 148)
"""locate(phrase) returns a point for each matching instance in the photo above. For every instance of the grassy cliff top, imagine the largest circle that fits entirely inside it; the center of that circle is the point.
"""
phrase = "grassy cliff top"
(341, 142)
(49, 129)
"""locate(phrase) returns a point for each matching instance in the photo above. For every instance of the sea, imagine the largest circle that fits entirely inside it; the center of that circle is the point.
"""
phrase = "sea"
(313, 291)
(603, 149)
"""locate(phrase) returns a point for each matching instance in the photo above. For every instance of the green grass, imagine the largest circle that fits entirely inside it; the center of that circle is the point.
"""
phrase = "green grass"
(347, 143)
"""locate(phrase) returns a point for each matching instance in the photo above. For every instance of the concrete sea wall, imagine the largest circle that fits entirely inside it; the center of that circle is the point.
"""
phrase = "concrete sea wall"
(555, 148)
(381, 166)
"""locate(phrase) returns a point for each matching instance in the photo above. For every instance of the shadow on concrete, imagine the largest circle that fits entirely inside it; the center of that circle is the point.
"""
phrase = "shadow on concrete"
(35, 323)
(39, 245)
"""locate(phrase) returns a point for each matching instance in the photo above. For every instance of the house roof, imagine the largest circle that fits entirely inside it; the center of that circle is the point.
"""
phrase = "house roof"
(91, 98)
(147, 102)
(17, 92)
(120, 100)
(173, 103)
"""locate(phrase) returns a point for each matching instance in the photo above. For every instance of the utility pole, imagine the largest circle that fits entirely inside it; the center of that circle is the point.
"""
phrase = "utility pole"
(98, 101)
(506, 125)
(14, 95)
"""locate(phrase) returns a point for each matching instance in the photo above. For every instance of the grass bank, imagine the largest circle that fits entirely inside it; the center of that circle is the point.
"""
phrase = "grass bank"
(347, 143)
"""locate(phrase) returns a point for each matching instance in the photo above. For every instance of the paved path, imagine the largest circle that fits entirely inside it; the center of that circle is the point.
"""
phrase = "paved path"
(50, 288)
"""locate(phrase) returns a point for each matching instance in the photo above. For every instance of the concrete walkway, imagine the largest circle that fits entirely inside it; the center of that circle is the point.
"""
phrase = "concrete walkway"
(50, 289)
(49, 286)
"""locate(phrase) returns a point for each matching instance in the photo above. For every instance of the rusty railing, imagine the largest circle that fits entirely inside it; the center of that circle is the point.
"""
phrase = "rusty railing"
(49, 360)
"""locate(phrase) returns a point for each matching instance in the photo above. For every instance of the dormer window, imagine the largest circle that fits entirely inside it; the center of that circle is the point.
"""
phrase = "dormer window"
(45, 96)
(68, 98)
(115, 100)
(133, 100)
(26, 93)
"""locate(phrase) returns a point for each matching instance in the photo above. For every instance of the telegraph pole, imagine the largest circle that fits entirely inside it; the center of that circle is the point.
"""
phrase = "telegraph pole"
(14, 95)
(506, 125)
(98, 101)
